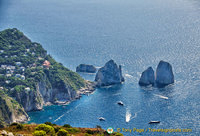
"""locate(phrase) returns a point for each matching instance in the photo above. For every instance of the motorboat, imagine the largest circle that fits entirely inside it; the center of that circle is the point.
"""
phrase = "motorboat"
(102, 119)
(154, 122)
(120, 103)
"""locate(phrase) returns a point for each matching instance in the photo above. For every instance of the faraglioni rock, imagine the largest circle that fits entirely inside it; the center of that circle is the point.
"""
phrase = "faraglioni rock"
(110, 74)
(86, 68)
(164, 74)
(147, 78)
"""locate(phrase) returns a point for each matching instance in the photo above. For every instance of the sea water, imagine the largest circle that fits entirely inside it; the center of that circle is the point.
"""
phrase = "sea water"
(136, 34)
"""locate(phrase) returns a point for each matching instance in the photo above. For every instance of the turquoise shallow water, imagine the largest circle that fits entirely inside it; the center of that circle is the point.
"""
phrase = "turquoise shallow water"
(136, 34)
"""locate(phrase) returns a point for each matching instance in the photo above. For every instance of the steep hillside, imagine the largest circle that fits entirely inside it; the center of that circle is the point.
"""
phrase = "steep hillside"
(10, 110)
(32, 77)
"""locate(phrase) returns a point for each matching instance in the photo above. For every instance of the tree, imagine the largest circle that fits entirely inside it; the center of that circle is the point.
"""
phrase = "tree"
(39, 133)
(62, 132)
(48, 129)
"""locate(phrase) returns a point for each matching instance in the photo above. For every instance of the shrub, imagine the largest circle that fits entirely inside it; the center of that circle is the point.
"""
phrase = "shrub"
(14, 124)
(100, 135)
(56, 128)
(67, 126)
(48, 129)
(73, 130)
(86, 134)
(19, 126)
(89, 131)
(118, 134)
(62, 132)
(49, 123)
(39, 133)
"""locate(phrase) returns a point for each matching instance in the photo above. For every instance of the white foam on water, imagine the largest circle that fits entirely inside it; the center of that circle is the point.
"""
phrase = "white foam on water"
(128, 115)
(127, 75)
(163, 97)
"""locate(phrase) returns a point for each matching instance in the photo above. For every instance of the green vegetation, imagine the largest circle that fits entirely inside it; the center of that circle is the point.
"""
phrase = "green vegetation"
(62, 132)
(90, 132)
(73, 130)
(39, 133)
(67, 126)
(25, 64)
(117, 134)
(49, 123)
(24, 67)
(48, 129)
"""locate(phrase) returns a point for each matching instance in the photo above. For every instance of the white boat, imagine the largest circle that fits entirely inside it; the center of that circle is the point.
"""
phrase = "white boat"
(154, 122)
(102, 119)
(120, 103)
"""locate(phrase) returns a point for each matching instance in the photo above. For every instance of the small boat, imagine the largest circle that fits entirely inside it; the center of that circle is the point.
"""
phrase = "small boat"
(102, 119)
(120, 103)
(154, 122)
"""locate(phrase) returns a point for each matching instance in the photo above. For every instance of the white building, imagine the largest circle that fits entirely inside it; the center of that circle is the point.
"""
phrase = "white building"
(23, 77)
(18, 63)
(27, 89)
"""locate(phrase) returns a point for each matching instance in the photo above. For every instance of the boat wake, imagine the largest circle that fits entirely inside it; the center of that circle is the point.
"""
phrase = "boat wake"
(66, 113)
(127, 75)
(128, 115)
(163, 97)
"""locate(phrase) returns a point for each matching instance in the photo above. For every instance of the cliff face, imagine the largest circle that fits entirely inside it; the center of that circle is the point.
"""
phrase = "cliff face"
(55, 95)
(10, 110)
(44, 95)
(30, 100)
(33, 78)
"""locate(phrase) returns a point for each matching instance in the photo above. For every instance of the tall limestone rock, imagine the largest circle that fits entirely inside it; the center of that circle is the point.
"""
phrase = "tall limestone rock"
(164, 74)
(163, 77)
(147, 77)
(110, 74)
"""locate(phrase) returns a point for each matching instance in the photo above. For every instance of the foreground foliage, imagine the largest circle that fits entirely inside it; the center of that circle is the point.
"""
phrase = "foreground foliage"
(55, 130)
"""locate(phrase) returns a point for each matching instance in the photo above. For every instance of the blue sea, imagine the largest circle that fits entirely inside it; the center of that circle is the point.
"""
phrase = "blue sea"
(136, 34)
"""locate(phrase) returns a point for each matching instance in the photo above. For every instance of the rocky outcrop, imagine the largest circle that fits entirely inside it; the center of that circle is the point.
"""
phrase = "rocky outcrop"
(86, 68)
(31, 100)
(45, 95)
(110, 74)
(11, 111)
(164, 74)
(45, 80)
(147, 77)
(56, 95)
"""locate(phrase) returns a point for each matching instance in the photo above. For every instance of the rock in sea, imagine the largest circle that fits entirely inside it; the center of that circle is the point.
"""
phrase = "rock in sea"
(110, 74)
(147, 78)
(164, 74)
(86, 68)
